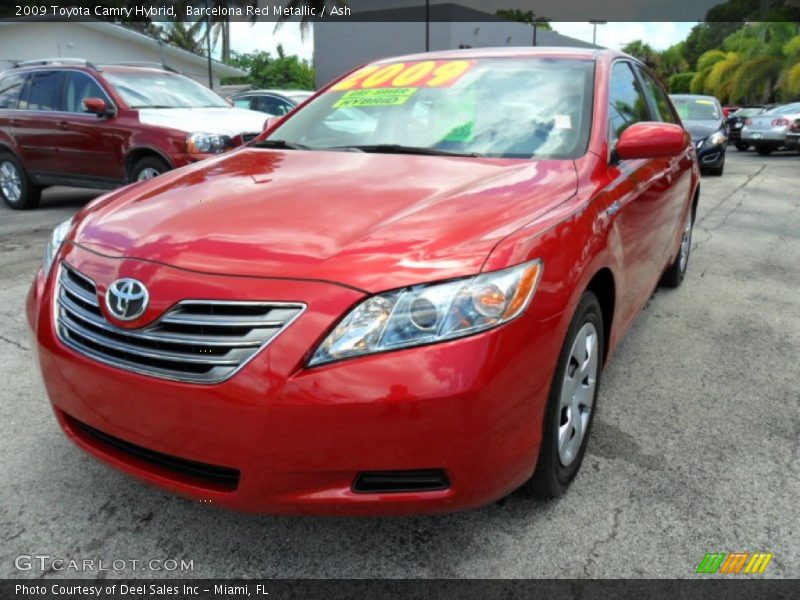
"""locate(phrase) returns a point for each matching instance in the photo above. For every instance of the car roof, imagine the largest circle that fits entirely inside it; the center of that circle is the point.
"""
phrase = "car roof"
(521, 51)
(277, 92)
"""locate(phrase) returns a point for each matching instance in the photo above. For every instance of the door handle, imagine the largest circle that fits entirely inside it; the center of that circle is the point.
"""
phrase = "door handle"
(64, 125)
(14, 123)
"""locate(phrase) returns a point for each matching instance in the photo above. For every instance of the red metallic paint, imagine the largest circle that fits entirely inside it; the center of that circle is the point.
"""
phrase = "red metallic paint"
(328, 229)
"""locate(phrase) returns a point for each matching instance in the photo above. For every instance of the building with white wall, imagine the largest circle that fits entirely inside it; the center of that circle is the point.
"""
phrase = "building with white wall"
(343, 45)
(102, 43)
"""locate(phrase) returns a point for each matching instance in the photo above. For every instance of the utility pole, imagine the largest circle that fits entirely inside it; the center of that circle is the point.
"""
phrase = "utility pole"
(427, 25)
(595, 23)
(208, 46)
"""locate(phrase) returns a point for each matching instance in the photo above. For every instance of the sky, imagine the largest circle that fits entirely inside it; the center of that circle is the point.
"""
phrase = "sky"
(248, 37)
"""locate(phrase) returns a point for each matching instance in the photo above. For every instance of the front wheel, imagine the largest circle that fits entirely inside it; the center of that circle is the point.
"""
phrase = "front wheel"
(571, 403)
(674, 275)
(149, 167)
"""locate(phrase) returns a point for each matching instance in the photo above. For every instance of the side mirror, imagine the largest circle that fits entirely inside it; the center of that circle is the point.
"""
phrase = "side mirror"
(273, 122)
(651, 140)
(98, 107)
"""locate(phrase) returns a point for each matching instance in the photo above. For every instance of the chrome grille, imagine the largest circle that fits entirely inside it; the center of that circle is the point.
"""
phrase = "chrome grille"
(200, 341)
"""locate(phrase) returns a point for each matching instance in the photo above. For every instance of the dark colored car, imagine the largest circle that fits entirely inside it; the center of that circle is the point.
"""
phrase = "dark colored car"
(737, 120)
(409, 314)
(272, 102)
(69, 122)
(702, 117)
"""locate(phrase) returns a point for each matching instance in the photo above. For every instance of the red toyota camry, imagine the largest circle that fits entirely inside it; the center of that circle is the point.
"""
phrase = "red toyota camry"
(398, 299)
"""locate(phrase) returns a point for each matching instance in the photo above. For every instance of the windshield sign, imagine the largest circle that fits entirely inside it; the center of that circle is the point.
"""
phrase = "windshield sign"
(507, 107)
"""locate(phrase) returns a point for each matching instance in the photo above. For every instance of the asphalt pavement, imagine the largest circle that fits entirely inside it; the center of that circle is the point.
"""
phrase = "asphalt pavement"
(695, 447)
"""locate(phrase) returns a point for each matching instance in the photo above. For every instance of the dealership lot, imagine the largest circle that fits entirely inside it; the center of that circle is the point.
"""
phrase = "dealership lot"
(695, 446)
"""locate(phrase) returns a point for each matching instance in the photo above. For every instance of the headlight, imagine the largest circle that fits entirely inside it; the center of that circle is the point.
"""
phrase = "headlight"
(717, 139)
(426, 314)
(56, 239)
(207, 143)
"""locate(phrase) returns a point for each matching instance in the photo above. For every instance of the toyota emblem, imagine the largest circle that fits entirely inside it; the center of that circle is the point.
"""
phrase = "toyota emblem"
(127, 299)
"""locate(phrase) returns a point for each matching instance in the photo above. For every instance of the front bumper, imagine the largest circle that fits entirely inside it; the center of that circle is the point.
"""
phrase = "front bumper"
(711, 156)
(298, 437)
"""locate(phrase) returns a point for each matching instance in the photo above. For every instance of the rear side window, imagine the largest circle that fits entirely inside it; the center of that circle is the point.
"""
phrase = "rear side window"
(658, 98)
(273, 105)
(42, 92)
(79, 87)
(241, 102)
(10, 88)
(628, 104)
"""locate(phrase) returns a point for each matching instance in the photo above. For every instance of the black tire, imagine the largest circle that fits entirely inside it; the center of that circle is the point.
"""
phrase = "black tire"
(674, 275)
(742, 147)
(765, 150)
(29, 194)
(551, 478)
(149, 163)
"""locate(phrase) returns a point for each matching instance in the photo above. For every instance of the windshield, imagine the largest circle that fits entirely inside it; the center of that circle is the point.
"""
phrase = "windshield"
(147, 89)
(505, 107)
(704, 109)
(748, 112)
(785, 110)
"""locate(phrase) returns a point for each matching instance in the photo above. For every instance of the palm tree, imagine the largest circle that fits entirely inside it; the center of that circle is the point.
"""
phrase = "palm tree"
(185, 35)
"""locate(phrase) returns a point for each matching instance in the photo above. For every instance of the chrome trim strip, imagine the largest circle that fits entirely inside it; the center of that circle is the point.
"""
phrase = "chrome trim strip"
(67, 317)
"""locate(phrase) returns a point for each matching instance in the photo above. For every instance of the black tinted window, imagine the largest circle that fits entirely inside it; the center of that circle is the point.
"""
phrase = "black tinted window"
(9, 90)
(628, 104)
(273, 105)
(42, 92)
(658, 98)
(78, 88)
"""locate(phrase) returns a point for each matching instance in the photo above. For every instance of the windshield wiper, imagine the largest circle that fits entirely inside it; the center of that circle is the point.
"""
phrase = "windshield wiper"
(280, 144)
(400, 149)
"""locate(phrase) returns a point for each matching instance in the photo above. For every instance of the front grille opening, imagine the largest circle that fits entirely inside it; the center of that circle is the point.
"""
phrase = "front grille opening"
(235, 310)
(211, 476)
(158, 363)
(387, 482)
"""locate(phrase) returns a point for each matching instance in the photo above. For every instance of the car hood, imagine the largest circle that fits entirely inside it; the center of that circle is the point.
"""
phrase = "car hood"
(371, 221)
(701, 129)
(223, 121)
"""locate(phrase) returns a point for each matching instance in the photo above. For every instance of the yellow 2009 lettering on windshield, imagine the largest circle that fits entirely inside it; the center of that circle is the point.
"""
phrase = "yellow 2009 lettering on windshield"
(427, 73)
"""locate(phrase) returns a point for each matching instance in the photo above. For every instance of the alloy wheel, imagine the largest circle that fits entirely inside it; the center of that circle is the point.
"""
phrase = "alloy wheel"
(686, 242)
(148, 173)
(577, 393)
(10, 181)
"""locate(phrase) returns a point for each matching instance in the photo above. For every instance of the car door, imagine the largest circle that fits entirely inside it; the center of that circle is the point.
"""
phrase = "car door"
(37, 133)
(91, 146)
(677, 179)
(641, 189)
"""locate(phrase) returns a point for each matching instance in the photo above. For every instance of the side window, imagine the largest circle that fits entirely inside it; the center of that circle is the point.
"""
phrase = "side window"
(9, 90)
(273, 105)
(79, 87)
(42, 91)
(658, 98)
(241, 102)
(627, 102)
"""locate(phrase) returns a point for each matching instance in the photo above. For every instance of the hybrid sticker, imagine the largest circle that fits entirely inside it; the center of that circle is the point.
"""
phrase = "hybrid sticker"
(379, 97)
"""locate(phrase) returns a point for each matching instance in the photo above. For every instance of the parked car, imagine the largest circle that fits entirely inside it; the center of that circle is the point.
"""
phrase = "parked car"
(767, 131)
(702, 117)
(736, 121)
(793, 136)
(69, 122)
(410, 316)
(272, 102)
